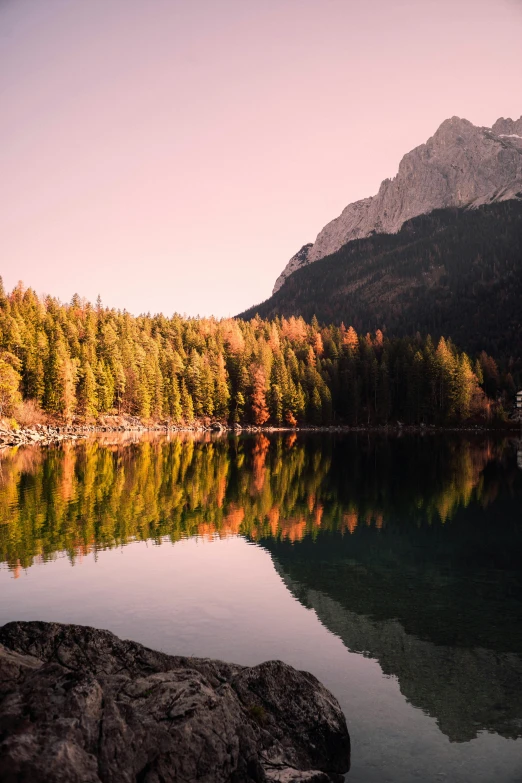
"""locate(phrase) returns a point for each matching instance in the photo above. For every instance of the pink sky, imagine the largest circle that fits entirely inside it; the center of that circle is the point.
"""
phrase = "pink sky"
(172, 156)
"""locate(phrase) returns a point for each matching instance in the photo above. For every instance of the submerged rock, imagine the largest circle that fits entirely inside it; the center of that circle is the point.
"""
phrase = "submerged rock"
(79, 704)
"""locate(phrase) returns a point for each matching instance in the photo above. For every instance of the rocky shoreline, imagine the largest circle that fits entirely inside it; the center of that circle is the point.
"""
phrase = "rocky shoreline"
(40, 433)
(79, 704)
(54, 434)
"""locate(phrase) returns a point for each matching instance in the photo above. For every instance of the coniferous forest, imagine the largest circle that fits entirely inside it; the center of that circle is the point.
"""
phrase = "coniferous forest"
(77, 361)
(454, 272)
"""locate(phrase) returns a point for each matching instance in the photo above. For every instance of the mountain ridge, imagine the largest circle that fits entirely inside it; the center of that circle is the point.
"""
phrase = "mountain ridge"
(461, 165)
(453, 272)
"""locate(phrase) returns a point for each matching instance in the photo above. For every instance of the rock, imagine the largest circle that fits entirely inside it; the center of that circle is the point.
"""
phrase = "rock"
(301, 258)
(79, 704)
(461, 165)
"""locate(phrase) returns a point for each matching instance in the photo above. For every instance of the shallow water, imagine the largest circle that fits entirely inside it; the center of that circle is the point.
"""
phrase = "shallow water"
(390, 568)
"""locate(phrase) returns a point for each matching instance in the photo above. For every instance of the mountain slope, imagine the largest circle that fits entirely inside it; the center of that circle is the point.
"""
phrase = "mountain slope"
(455, 272)
(460, 165)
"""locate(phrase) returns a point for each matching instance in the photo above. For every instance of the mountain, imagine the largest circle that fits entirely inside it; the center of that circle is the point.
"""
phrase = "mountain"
(454, 272)
(461, 165)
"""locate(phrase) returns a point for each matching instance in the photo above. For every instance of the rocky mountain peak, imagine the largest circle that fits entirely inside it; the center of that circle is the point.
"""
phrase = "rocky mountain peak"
(461, 165)
(453, 127)
(508, 127)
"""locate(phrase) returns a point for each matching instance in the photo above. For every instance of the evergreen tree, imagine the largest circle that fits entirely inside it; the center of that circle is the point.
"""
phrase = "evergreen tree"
(174, 400)
(222, 393)
(10, 379)
(187, 406)
(88, 401)
(276, 404)
(315, 412)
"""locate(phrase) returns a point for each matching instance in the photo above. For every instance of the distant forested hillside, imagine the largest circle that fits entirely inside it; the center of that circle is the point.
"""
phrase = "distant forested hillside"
(77, 361)
(452, 272)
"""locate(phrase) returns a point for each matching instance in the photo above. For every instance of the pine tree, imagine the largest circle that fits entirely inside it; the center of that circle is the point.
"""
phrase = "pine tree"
(68, 378)
(326, 405)
(120, 382)
(187, 405)
(88, 404)
(206, 389)
(104, 387)
(315, 412)
(465, 382)
(193, 381)
(276, 404)
(174, 400)
(222, 393)
(10, 380)
(143, 395)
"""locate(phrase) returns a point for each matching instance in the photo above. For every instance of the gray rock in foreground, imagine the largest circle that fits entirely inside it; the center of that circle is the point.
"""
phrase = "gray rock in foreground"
(79, 704)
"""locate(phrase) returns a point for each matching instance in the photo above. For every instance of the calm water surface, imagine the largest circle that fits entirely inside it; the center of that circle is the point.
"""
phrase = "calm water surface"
(390, 568)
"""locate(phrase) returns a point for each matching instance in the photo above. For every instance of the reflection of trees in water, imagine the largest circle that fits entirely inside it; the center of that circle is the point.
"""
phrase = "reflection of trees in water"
(395, 542)
(436, 600)
(81, 497)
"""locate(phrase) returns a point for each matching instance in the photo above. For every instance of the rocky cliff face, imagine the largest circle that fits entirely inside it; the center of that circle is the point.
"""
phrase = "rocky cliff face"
(78, 704)
(462, 165)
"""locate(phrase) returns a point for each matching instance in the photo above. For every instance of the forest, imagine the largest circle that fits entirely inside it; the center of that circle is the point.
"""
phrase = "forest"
(77, 361)
(452, 272)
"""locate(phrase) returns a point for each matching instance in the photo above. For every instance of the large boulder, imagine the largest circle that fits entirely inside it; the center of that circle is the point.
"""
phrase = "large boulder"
(79, 704)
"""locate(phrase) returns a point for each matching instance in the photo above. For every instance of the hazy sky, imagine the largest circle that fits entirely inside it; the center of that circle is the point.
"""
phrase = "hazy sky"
(172, 156)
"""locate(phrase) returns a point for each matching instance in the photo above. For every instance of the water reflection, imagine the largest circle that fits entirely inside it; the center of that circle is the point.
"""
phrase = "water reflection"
(408, 549)
(466, 689)
(78, 498)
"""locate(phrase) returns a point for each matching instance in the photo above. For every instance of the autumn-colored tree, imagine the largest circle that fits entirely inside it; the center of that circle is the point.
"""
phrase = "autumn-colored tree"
(67, 378)
(318, 344)
(350, 339)
(290, 419)
(10, 379)
(260, 412)
(466, 384)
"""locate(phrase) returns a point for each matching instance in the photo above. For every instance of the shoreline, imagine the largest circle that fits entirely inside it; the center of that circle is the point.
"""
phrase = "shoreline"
(44, 434)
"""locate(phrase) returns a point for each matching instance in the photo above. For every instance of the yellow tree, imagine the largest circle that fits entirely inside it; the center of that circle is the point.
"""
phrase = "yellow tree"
(10, 395)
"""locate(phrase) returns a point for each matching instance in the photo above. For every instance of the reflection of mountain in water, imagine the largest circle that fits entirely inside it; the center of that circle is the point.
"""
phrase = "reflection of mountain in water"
(407, 547)
(466, 686)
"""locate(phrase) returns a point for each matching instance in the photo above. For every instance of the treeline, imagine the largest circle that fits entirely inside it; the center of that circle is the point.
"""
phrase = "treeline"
(79, 361)
(452, 272)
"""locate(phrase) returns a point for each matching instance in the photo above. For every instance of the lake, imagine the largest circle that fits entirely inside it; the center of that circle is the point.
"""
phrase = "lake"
(390, 567)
